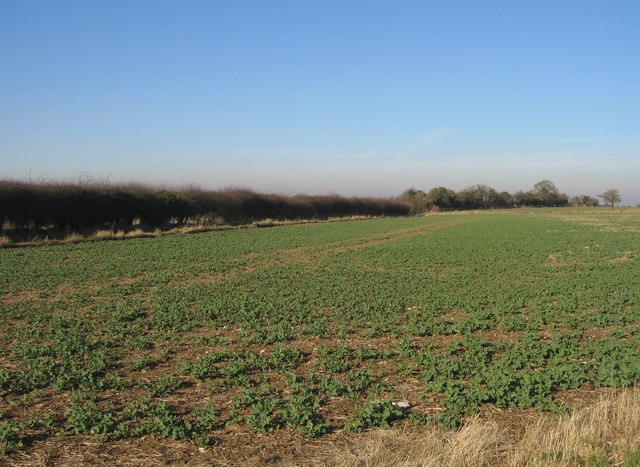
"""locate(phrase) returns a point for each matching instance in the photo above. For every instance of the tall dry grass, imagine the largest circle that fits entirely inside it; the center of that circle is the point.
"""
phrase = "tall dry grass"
(606, 433)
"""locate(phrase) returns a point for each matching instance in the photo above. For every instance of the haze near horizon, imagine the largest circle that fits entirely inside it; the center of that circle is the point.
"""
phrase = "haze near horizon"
(357, 98)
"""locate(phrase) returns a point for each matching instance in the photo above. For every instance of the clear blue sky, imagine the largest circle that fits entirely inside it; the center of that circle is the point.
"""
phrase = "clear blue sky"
(354, 97)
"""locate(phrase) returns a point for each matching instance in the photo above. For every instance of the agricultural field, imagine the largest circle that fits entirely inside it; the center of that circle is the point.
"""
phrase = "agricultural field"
(249, 346)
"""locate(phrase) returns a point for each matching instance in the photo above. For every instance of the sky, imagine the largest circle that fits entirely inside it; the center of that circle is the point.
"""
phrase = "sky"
(349, 97)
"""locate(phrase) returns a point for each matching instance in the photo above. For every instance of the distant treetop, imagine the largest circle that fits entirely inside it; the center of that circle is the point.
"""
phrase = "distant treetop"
(611, 197)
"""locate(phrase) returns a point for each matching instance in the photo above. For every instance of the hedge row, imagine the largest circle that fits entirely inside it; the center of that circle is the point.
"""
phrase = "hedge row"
(73, 206)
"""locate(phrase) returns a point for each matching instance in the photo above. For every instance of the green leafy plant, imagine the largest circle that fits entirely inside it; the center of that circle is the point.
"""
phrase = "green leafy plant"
(301, 412)
(86, 418)
(9, 435)
(285, 358)
(337, 360)
(374, 414)
(265, 414)
(164, 386)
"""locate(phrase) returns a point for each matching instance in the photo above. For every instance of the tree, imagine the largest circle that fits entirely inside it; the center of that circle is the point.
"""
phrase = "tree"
(442, 197)
(504, 200)
(545, 189)
(417, 198)
(611, 196)
(583, 200)
(478, 197)
(522, 198)
(589, 201)
(547, 194)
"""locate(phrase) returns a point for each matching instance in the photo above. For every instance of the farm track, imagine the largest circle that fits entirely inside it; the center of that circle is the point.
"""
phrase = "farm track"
(252, 261)
(310, 254)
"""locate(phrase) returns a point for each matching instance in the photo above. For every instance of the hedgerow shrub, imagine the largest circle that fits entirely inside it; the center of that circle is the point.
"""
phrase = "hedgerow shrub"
(65, 206)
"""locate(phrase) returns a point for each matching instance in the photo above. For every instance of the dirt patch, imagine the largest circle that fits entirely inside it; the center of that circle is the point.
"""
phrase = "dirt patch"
(625, 258)
(455, 315)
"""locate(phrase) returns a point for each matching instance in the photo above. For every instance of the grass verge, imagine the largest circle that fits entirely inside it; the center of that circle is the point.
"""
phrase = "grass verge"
(605, 433)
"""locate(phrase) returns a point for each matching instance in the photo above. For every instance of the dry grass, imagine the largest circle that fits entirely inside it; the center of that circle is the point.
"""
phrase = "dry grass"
(276, 222)
(5, 241)
(606, 433)
(73, 238)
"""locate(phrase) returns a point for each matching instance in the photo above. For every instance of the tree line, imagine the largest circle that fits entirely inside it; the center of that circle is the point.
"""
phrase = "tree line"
(82, 206)
(543, 194)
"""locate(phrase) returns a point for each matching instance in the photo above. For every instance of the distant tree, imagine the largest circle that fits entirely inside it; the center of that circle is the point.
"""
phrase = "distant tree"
(546, 194)
(478, 197)
(443, 198)
(611, 196)
(525, 198)
(417, 198)
(560, 200)
(545, 188)
(586, 200)
(504, 200)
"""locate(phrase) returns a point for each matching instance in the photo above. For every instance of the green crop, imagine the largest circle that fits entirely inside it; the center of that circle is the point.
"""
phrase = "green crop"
(373, 414)
(316, 328)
